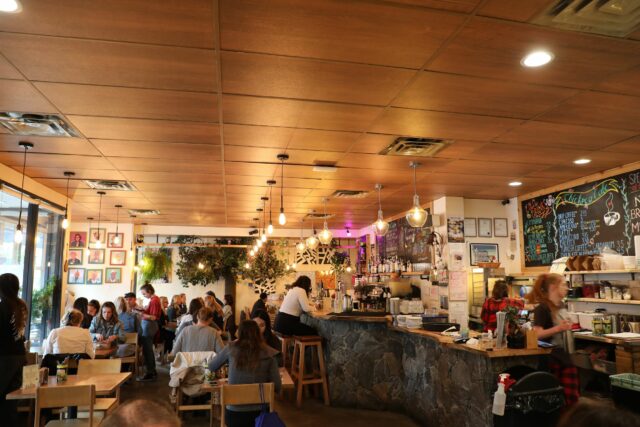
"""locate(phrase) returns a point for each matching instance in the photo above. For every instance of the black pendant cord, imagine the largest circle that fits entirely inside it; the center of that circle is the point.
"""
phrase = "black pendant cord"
(282, 187)
(66, 205)
(270, 203)
(24, 167)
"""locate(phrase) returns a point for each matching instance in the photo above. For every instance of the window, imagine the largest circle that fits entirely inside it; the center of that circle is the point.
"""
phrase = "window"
(11, 253)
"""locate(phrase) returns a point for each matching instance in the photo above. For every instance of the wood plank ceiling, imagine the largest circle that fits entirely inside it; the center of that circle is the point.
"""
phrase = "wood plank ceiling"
(191, 101)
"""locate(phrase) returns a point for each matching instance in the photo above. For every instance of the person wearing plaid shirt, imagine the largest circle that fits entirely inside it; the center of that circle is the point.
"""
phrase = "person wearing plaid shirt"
(498, 301)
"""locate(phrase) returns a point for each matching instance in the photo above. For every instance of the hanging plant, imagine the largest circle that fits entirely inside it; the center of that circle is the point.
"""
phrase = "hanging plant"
(42, 299)
(156, 265)
(339, 262)
(266, 265)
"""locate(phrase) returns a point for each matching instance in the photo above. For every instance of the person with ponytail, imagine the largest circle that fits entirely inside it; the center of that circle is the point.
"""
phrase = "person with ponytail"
(551, 321)
(13, 321)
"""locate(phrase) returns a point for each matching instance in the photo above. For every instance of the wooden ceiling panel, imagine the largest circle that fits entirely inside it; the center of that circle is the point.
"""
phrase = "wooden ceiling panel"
(179, 23)
(147, 130)
(81, 172)
(163, 165)
(188, 178)
(386, 34)
(257, 136)
(306, 139)
(111, 101)
(624, 82)
(254, 169)
(159, 150)
(261, 181)
(18, 95)
(464, 94)
(563, 135)
(372, 143)
(433, 124)
(179, 187)
(310, 79)
(372, 161)
(631, 146)
(78, 146)
(521, 11)
(255, 154)
(52, 59)
(474, 167)
(7, 71)
(69, 162)
(464, 6)
(299, 114)
(522, 153)
(260, 191)
(598, 108)
(494, 49)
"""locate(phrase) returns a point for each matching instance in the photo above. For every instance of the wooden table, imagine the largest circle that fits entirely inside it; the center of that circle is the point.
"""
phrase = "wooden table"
(105, 353)
(105, 384)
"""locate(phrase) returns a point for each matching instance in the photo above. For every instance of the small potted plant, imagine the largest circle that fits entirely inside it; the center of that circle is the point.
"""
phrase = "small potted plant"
(516, 337)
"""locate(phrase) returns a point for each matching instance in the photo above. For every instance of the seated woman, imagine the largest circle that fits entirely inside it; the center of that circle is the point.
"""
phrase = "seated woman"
(191, 317)
(82, 305)
(199, 337)
(498, 301)
(130, 324)
(250, 361)
(70, 338)
(173, 311)
(106, 328)
(229, 317)
(295, 303)
(211, 302)
(264, 323)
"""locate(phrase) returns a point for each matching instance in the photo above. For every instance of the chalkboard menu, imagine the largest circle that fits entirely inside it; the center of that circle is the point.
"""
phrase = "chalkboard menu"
(406, 242)
(582, 220)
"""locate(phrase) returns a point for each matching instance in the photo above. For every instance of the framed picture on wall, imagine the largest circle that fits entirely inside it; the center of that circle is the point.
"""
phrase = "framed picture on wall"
(96, 234)
(74, 256)
(96, 256)
(115, 240)
(77, 239)
(500, 227)
(484, 227)
(118, 258)
(470, 227)
(75, 276)
(483, 252)
(94, 277)
(113, 275)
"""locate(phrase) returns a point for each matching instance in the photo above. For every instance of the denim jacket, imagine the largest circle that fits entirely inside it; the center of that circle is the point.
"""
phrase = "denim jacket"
(107, 329)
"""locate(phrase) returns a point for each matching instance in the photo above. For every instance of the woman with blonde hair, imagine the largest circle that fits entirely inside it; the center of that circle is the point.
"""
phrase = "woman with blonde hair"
(551, 321)
(173, 311)
(70, 337)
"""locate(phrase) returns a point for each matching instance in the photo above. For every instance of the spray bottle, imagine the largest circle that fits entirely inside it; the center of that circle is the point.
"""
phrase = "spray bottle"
(500, 397)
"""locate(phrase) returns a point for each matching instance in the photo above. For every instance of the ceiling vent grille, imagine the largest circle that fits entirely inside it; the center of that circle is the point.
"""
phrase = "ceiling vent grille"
(416, 147)
(109, 185)
(144, 212)
(318, 216)
(27, 124)
(616, 18)
(350, 194)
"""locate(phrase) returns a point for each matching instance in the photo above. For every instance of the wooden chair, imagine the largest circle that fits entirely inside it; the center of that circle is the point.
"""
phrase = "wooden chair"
(54, 397)
(101, 366)
(132, 338)
(245, 394)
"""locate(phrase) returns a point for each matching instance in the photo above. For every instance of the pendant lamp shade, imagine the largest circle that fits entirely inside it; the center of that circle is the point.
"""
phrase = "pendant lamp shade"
(325, 235)
(380, 226)
(312, 242)
(65, 221)
(301, 245)
(282, 218)
(416, 216)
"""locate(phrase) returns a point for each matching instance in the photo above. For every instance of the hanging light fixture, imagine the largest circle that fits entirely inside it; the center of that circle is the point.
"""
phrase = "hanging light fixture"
(312, 241)
(325, 235)
(282, 219)
(65, 221)
(380, 227)
(252, 252)
(19, 236)
(98, 243)
(270, 183)
(117, 240)
(301, 245)
(416, 216)
(264, 218)
(259, 238)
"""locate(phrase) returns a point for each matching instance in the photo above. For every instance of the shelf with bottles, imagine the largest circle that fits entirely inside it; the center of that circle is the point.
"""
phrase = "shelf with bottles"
(605, 301)
(402, 273)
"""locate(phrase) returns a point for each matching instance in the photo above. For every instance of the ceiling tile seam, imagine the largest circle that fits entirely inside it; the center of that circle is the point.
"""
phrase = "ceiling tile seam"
(157, 119)
(283, 98)
(416, 7)
(152, 141)
(631, 138)
(217, 38)
(148, 88)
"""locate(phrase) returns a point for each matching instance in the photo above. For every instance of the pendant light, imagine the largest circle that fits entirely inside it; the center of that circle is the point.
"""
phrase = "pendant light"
(312, 241)
(19, 236)
(301, 245)
(116, 239)
(259, 238)
(65, 221)
(98, 243)
(282, 219)
(257, 226)
(380, 227)
(270, 183)
(264, 218)
(325, 235)
(416, 216)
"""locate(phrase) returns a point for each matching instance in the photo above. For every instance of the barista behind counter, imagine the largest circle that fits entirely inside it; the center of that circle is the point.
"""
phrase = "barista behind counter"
(402, 287)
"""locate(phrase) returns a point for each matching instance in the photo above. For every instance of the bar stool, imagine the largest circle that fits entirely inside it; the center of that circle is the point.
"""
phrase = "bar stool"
(286, 341)
(318, 374)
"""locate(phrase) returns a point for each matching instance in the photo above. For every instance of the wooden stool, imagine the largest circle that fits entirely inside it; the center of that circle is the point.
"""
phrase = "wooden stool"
(318, 374)
(286, 341)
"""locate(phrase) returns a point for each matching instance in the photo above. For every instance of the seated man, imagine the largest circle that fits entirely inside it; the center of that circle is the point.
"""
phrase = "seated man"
(199, 337)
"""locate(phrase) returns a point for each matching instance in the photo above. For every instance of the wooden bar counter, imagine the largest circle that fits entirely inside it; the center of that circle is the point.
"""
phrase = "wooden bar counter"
(374, 365)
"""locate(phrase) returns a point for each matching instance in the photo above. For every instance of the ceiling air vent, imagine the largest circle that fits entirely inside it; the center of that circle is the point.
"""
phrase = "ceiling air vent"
(110, 185)
(350, 194)
(315, 215)
(144, 212)
(616, 18)
(27, 124)
(418, 147)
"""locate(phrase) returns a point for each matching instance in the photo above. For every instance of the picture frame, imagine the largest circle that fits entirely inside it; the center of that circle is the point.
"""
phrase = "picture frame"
(500, 227)
(94, 276)
(76, 276)
(118, 258)
(96, 256)
(77, 239)
(455, 229)
(470, 227)
(96, 234)
(113, 275)
(75, 257)
(483, 252)
(110, 240)
(485, 227)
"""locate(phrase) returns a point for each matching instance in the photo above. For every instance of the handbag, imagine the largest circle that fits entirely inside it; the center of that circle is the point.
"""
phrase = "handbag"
(266, 418)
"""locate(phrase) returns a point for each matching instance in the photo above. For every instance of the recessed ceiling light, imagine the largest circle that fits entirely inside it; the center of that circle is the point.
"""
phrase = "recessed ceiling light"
(582, 161)
(515, 184)
(537, 58)
(10, 6)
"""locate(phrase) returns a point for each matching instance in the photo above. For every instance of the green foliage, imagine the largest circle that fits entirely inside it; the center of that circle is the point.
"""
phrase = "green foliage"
(42, 299)
(266, 264)
(512, 320)
(157, 264)
(339, 260)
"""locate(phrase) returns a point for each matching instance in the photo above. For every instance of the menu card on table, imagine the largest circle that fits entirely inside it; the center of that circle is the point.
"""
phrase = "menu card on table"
(30, 376)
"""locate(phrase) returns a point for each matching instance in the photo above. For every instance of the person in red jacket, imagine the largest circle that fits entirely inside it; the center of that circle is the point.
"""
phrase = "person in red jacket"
(499, 301)
(149, 317)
